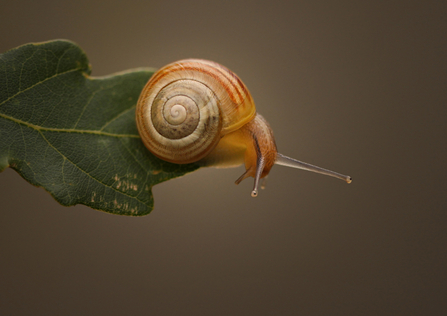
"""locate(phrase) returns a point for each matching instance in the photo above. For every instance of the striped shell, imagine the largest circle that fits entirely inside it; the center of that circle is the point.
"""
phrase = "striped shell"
(188, 106)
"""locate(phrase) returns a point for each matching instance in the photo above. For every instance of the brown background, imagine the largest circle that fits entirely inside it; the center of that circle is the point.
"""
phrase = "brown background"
(354, 86)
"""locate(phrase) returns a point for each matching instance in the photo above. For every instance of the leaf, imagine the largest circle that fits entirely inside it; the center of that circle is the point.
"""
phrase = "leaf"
(74, 135)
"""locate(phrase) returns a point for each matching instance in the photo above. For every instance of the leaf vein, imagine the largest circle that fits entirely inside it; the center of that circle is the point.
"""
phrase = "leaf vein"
(68, 130)
(38, 83)
(139, 163)
(116, 117)
(88, 174)
(85, 107)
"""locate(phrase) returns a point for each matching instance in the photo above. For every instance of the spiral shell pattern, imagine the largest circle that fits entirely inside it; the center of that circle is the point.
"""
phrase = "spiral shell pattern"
(187, 106)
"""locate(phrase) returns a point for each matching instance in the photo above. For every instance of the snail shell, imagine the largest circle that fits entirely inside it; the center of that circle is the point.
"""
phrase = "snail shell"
(199, 111)
(188, 106)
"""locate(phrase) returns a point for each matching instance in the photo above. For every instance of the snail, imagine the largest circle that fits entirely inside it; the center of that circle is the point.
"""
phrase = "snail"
(199, 111)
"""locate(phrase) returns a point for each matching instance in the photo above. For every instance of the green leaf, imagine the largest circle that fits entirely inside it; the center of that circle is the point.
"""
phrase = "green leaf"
(74, 135)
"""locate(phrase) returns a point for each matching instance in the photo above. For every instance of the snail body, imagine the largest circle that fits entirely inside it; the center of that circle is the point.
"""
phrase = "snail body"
(199, 111)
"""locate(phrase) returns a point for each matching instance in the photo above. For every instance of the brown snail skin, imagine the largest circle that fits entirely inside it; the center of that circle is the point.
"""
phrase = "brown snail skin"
(199, 111)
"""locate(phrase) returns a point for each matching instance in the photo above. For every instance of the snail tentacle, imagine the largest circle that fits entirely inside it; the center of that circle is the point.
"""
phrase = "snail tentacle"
(283, 160)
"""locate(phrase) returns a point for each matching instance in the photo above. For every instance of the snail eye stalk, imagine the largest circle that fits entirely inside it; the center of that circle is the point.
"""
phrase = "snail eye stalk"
(293, 163)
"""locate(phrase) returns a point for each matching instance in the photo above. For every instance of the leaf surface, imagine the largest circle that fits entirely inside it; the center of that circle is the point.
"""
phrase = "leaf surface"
(75, 135)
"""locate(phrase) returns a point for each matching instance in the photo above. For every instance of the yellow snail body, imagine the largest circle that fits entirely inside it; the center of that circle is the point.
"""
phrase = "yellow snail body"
(199, 111)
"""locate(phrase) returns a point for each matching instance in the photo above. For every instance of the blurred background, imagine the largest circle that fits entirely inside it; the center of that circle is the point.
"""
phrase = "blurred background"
(355, 87)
